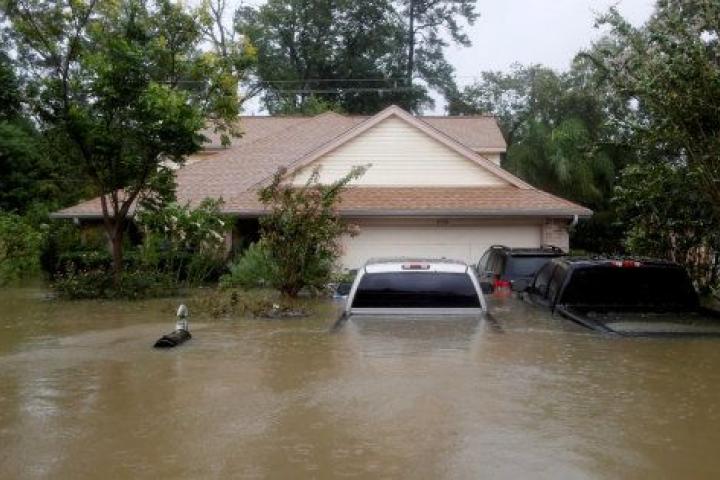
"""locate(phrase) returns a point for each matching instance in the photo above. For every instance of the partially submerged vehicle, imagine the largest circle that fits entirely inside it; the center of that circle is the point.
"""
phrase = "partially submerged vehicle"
(415, 287)
(503, 268)
(623, 296)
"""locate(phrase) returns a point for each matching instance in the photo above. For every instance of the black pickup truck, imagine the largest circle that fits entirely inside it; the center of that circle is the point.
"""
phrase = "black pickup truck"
(623, 296)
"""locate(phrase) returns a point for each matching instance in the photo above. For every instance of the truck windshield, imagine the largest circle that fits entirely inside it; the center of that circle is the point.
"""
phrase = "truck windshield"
(652, 287)
(416, 290)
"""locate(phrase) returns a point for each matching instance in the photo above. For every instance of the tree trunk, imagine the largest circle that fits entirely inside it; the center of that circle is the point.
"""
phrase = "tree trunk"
(411, 44)
(116, 242)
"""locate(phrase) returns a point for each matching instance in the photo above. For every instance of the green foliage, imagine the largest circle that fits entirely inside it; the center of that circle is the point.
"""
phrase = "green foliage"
(669, 70)
(428, 26)
(555, 126)
(325, 50)
(181, 247)
(256, 302)
(20, 245)
(667, 216)
(254, 268)
(183, 242)
(99, 283)
(563, 160)
(302, 230)
(125, 86)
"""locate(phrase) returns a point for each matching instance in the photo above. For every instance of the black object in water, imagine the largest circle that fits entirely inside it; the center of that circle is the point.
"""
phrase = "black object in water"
(173, 339)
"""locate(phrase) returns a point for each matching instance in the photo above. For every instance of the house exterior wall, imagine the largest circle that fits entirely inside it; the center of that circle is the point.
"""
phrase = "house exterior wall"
(493, 157)
(555, 232)
(460, 239)
(401, 155)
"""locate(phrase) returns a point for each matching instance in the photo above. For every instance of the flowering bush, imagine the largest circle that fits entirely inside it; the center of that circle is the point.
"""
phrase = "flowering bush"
(186, 243)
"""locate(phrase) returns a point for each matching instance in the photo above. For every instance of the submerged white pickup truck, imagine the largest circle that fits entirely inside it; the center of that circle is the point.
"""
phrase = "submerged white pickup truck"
(404, 286)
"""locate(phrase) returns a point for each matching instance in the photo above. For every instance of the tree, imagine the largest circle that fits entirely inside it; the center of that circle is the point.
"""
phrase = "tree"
(429, 22)
(555, 126)
(668, 217)
(302, 230)
(20, 245)
(124, 87)
(524, 93)
(323, 51)
(358, 56)
(668, 71)
(19, 155)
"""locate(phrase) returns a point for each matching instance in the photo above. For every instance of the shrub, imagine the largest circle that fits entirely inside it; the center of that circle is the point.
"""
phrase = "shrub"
(669, 217)
(183, 242)
(262, 303)
(67, 248)
(254, 268)
(20, 247)
(93, 284)
(302, 230)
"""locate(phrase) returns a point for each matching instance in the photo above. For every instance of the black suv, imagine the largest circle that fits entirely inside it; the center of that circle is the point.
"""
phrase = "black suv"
(623, 296)
(505, 267)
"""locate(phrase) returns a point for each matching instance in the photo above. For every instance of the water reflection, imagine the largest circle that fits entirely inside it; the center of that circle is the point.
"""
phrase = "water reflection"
(82, 393)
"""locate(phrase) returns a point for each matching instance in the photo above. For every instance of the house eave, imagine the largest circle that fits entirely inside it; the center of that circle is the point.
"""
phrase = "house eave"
(568, 214)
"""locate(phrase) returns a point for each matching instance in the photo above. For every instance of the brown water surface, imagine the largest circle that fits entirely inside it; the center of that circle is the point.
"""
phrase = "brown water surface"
(83, 395)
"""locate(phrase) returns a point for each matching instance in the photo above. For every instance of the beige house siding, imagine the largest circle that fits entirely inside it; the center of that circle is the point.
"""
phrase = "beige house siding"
(555, 232)
(460, 239)
(492, 156)
(401, 154)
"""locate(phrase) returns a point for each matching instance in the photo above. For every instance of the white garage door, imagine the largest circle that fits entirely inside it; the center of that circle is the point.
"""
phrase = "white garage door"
(461, 241)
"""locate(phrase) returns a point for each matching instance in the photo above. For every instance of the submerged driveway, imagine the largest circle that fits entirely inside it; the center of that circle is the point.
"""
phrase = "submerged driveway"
(83, 395)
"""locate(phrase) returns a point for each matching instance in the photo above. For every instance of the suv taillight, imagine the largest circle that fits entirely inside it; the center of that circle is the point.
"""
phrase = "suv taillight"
(626, 263)
(501, 284)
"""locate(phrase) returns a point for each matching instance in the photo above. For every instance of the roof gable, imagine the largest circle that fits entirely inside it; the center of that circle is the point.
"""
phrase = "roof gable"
(493, 170)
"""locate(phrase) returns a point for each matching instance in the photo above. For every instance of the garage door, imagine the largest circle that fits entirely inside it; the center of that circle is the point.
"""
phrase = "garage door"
(463, 241)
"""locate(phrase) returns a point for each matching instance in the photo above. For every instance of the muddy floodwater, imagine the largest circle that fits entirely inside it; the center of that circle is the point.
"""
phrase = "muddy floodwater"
(83, 395)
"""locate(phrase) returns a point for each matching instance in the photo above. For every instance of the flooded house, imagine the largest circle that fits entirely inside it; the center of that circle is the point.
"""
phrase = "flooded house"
(434, 187)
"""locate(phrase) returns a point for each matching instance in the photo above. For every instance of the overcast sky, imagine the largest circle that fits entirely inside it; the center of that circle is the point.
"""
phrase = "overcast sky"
(549, 32)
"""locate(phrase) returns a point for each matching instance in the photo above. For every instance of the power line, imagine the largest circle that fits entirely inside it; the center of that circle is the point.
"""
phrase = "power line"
(341, 90)
(326, 80)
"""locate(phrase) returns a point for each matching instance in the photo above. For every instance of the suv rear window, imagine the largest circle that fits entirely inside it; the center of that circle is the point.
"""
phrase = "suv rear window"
(526, 266)
(658, 287)
(416, 290)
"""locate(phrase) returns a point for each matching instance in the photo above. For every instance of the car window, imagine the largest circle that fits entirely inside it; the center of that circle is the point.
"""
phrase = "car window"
(416, 290)
(482, 264)
(647, 286)
(490, 262)
(499, 265)
(556, 281)
(543, 278)
(526, 266)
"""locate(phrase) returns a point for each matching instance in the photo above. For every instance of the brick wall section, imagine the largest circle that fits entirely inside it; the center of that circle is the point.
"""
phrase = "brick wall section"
(555, 232)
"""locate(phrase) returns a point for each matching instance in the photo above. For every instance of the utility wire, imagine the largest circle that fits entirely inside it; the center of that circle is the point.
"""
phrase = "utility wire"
(341, 90)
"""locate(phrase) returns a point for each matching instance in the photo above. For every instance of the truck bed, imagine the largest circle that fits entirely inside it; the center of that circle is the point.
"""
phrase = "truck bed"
(638, 323)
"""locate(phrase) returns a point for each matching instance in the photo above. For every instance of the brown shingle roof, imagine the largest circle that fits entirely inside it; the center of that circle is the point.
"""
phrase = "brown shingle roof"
(466, 201)
(271, 142)
(475, 132)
